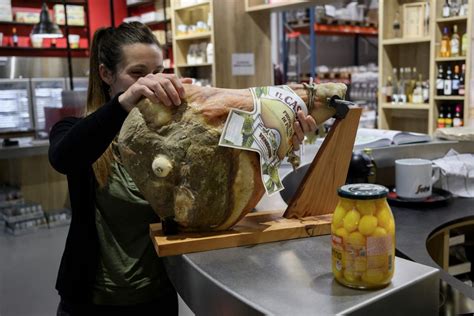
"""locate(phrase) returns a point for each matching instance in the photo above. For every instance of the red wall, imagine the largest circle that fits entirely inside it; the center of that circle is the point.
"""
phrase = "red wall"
(99, 13)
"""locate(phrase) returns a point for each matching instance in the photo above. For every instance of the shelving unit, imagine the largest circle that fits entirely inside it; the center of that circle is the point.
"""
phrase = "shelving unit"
(442, 244)
(252, 36)
(423, 53)
(24, 47)
(260, 5)
(464, 24)
(136, 9)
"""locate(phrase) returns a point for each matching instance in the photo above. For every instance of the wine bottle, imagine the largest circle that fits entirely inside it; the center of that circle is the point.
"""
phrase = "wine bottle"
(448, 84)
(462, 87)
(440, 81)
(455, 82)
(454, 42)
(446, 10)
(458, 121)
(445, 50)
(441, 121)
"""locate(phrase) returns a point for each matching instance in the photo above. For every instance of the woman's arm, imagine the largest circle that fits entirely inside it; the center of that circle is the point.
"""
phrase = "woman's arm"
(77, 143)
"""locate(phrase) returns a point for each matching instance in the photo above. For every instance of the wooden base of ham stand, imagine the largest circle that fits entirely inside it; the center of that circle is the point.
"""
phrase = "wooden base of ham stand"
(309, 212)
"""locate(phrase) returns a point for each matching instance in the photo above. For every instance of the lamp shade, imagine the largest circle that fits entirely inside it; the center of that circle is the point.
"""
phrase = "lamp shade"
(46, 28)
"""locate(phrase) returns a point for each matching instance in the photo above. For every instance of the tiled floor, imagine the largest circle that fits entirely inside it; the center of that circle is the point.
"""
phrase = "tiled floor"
(28, 268)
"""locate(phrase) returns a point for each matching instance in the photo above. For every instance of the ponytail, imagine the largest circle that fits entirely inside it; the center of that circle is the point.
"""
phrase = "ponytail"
(106, 49)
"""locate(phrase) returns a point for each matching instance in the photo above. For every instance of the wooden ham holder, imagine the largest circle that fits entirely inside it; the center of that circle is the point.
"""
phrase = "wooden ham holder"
(309, 212)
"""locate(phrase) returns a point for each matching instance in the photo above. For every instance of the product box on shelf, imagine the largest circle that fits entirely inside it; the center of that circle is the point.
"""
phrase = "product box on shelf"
(6, 14)
(75, 14)
(26, 15)
(132, 2)
(152, 16)
(22, 217)
(59, 217)
(24, 227)
(22, 212)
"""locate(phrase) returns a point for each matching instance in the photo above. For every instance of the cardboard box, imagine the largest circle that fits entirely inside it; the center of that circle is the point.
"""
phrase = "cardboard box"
(75, 14)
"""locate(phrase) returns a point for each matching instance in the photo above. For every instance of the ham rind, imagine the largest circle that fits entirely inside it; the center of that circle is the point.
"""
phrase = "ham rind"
(173, 156)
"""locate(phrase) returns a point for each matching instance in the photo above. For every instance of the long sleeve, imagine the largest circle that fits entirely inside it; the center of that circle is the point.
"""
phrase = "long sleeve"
(76, 143)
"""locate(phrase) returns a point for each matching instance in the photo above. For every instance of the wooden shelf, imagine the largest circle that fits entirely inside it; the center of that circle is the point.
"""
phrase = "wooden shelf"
(157, 22)
(402, 41)
(14, 23)
(406, 106)
(441, 59)
(43, 51)
(139, 4)
(193, 36)
(202, 3)
(196, 65)
(449, 98)
(457, 240)
(285, 6)
(452, 19)
(344, 30)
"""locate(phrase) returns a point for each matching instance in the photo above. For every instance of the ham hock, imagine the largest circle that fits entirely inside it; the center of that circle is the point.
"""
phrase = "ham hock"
(172, 155)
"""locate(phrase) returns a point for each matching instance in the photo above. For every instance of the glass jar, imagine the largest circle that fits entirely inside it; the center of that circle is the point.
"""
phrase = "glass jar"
(363, 237)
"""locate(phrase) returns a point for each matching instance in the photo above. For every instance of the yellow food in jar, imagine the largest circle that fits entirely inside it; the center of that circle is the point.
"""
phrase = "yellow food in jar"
(366, 207)
(367, 224)
(351, 220)
(338, 216)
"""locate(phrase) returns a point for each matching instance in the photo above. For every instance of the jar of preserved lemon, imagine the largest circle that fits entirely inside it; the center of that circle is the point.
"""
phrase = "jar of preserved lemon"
(363, 237)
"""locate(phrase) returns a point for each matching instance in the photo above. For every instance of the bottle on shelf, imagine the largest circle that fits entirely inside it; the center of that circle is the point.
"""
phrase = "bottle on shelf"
(458, 121)
(454, 7)
(409, 85)
(441, 123)
(396, 27)
(464, 8)
(448, 121)
(455, 82)
(14, 37)
(426, 91)
(395, 95)
(418, 91)
(464, 43)
(448, 83)
(454, 42)
(440, 81)
(402, 96)
(389, 89)
(462, 87)
(446, 9)
(445, 50)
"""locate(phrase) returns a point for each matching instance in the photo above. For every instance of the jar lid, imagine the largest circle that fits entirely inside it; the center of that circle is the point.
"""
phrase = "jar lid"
(362, 191)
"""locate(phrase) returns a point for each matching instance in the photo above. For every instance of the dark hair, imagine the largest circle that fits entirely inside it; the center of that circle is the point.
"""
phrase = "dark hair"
(106, 49)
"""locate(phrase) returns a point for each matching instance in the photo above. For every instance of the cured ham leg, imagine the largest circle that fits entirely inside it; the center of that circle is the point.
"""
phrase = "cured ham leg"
(172, 154)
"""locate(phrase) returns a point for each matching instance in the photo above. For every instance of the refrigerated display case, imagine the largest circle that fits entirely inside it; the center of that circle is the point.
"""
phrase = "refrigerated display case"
(46, 92)
(15, 105)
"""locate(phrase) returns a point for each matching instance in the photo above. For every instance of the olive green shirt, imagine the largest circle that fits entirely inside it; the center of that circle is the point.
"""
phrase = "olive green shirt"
(129, 270)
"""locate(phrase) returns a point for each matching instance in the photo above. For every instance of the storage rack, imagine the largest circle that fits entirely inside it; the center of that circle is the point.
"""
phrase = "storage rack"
(423, 53)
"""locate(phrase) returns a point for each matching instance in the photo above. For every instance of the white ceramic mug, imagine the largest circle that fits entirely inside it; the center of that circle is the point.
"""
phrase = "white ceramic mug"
(414, 178)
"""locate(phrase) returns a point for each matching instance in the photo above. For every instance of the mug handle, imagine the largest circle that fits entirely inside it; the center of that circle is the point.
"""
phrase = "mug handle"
(435, 174)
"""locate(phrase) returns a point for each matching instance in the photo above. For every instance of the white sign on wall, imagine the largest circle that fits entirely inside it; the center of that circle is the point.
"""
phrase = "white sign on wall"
(243, 64)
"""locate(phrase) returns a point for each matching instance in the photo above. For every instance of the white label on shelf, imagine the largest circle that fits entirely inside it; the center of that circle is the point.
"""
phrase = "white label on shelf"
(243, 64)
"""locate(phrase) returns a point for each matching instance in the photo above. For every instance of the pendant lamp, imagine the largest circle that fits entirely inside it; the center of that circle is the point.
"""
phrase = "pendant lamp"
(46, 28)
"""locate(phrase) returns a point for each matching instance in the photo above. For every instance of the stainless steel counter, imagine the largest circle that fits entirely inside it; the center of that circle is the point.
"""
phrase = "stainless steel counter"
(25, 149)
(293, 278)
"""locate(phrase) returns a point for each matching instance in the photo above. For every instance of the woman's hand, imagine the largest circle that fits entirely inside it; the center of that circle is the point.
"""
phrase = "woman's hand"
(159, 88)
(303, 124)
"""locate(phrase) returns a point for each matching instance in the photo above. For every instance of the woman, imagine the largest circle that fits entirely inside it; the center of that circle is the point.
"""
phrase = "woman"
(109, 266)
